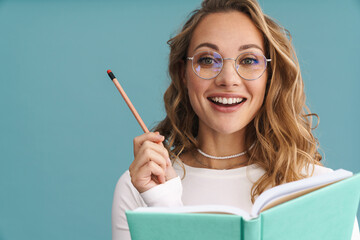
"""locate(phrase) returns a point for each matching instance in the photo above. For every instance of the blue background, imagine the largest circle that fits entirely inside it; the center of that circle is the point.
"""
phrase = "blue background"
(65, 132)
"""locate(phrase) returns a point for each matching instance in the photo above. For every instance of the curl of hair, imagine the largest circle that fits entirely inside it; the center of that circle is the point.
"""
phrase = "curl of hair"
(282, 129)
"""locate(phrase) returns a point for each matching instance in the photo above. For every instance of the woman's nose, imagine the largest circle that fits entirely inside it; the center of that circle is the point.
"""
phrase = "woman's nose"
(228, 75)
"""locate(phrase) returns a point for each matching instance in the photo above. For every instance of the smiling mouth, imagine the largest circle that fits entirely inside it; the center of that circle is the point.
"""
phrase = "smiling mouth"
(226, 102)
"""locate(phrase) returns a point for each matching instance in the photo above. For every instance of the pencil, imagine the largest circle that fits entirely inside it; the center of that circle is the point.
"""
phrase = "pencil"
(128, 102)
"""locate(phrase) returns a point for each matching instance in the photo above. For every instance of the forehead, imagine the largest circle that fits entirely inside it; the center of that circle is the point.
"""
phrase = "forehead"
(228, 31)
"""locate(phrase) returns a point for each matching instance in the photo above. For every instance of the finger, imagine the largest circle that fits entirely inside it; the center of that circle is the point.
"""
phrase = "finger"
(146, 155)
(152, 168)
(157, 171)
(168, 163)
(150, 136)
(156, 147)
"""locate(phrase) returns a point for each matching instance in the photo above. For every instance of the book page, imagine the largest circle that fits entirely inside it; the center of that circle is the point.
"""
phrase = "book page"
(288, 191)
(210, 209)
(290, 196)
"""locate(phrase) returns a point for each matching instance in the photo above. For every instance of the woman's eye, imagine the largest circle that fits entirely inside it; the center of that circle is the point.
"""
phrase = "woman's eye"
(249, 61)
(206, 61)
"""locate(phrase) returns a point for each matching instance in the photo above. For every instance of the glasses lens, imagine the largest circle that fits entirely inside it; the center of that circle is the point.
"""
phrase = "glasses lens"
(207, 64)
(251, 65)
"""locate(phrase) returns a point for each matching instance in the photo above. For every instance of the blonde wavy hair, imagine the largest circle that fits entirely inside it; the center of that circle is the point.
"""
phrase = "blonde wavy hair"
(281, 130)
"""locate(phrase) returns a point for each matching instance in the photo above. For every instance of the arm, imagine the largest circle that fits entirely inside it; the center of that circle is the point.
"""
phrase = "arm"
(126, 197)
(150, 171)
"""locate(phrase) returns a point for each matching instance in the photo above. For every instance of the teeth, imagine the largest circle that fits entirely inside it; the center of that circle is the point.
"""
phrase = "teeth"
(226, 100)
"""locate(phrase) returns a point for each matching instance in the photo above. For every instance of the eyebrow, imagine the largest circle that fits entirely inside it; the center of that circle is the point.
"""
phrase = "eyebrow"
(241, 48)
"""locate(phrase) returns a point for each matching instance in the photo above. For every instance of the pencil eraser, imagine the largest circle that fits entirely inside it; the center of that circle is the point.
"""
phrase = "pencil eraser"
(111, 75)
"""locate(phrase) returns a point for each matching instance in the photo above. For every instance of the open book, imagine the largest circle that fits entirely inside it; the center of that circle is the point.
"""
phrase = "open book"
(325, 205)
(268, 199)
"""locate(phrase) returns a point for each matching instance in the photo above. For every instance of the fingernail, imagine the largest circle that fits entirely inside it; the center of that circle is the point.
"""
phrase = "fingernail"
(169, 161)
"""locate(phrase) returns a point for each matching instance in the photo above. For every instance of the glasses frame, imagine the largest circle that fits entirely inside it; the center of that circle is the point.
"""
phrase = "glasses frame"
(222, 64)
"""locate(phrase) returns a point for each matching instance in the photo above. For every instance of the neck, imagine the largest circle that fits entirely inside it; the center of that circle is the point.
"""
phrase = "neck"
(220, 145)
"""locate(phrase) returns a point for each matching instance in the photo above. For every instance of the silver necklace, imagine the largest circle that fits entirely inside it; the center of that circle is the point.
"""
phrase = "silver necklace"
(207, 166)
(225, 157)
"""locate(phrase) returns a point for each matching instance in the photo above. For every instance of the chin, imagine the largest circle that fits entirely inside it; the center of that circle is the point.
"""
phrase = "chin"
(223, 127)
(228, 130)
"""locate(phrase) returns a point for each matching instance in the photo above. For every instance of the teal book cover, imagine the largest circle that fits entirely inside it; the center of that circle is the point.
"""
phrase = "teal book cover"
(326, 213)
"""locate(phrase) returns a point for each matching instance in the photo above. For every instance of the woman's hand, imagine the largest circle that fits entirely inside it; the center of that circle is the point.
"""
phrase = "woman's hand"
(151, 165)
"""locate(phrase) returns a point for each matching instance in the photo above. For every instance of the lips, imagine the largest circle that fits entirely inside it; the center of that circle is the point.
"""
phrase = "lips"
(226, 101)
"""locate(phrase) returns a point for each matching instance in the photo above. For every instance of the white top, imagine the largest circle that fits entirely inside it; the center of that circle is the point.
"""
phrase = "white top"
(200, 186)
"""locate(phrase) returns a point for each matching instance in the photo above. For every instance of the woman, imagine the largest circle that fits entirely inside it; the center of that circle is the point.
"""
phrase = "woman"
(236, 120)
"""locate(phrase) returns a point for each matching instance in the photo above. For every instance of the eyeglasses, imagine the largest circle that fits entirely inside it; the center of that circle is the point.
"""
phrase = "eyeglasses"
(249, 65)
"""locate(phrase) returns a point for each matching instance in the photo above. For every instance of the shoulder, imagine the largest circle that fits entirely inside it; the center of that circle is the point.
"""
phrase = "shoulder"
(126, 196)
(124, 181)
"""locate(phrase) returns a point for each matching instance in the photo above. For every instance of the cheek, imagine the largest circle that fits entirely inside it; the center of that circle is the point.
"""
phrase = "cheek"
(195, 92)
(195, 86)
(258, 88)
(196, 89)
